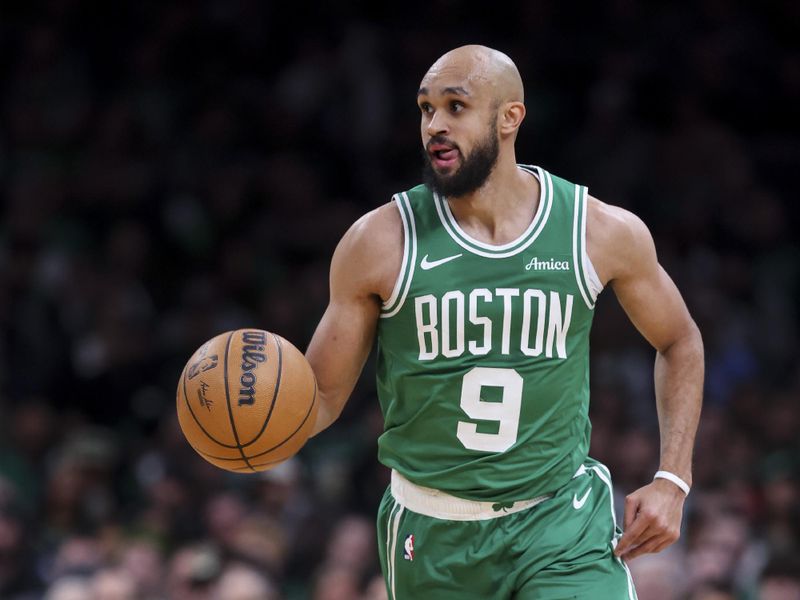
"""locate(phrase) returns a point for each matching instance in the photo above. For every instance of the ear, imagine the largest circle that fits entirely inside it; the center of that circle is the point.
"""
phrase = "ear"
(511, 116)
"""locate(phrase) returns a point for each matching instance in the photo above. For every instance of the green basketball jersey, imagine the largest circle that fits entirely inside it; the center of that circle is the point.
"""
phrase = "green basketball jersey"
(483, 350)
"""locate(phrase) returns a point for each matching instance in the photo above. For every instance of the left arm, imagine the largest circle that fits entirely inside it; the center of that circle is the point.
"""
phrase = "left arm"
(627, 257)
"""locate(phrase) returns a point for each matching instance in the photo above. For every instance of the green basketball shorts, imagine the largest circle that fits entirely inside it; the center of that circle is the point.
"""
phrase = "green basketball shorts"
(434, 546)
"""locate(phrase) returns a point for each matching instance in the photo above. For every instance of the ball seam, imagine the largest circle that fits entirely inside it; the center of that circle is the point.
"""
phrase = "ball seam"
(228, 399)
(196, 420)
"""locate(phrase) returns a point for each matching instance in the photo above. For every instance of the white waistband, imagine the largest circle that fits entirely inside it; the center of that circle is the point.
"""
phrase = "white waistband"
(437, 504)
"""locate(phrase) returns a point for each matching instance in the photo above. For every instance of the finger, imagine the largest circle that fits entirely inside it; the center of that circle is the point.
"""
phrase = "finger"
(668, 539)
(628, 536)
(633, 536)
(634, 543)
(631, 508)
(663, 531)
(646, 547)
(635, 532)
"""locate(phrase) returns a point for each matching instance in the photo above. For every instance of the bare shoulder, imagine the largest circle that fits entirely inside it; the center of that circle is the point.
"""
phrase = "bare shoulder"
(618, 242)
(369, 255)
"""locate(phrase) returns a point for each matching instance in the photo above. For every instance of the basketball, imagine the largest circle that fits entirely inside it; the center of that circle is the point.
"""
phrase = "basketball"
(247, 400)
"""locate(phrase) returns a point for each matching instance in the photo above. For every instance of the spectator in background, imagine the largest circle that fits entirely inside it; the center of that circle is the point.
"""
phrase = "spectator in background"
(192, 572)
(142, 560)
(712, 591)
(780, 580)
(240, 582)
(69, 588)
(113, 584)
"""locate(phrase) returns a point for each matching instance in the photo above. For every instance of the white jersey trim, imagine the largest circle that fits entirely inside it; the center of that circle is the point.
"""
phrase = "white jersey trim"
(514, 247)
(585, 274)
(595, 285)
(577, 253)
(398, 284)
(395, 302)
(440, 505)
(589, 272)
(392, 525)
(603, 475)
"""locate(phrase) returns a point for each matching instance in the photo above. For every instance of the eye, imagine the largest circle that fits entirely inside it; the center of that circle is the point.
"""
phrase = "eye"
(425, 107)
(456, 106)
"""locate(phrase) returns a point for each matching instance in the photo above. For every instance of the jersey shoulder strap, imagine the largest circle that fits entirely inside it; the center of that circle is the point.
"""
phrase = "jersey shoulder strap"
(404, 200)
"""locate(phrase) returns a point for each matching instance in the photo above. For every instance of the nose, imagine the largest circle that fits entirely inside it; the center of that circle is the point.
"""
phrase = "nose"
(437, 124)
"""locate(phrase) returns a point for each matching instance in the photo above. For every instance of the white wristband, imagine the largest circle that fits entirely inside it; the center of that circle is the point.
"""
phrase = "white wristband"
(674, 479)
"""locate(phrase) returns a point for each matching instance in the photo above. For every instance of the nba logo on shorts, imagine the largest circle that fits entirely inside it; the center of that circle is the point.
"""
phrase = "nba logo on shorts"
(408, 547)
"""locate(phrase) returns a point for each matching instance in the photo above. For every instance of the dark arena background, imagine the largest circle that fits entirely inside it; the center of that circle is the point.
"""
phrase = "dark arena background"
(172, 170)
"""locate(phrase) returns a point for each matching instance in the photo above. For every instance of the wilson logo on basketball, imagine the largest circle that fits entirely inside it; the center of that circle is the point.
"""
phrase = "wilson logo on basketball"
(253, 345)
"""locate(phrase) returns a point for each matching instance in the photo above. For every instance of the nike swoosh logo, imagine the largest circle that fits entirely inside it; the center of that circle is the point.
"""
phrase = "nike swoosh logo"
(426, 264)
(578, 504)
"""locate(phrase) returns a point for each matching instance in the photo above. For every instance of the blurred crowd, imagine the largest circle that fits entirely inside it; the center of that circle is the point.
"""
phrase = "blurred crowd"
(169, 171)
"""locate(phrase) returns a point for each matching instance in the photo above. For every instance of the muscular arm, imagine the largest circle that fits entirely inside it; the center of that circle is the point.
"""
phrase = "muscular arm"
(655, 307)
(626, 259)
(364, 265)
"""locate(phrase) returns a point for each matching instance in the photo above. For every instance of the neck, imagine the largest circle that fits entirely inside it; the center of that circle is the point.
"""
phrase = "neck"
(502, 208)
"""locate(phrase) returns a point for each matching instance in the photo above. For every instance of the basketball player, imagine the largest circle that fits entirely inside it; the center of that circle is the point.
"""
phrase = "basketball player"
(480, 286)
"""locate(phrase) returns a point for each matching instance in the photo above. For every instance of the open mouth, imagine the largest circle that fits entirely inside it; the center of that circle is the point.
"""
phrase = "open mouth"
(443, 156)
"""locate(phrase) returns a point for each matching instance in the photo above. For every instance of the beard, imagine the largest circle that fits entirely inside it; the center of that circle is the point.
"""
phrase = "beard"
(471, 175)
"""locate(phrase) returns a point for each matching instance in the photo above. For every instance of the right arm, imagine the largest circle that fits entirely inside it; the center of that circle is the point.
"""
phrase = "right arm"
(363, 272)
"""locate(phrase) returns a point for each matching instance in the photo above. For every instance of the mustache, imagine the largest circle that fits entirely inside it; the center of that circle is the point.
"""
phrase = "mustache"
(440, 139)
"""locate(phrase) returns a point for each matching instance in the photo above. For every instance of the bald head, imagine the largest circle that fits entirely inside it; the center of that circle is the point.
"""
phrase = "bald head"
(471, 107)
(482, 67)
